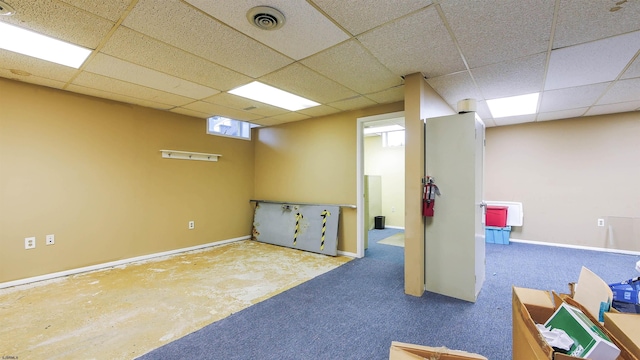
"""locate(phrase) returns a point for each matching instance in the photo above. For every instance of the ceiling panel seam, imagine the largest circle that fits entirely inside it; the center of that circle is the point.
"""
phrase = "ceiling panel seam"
(457, 45)
(319, 9)
(612, 83)
(178, 49)
(102, 43)
(237, 31)
(554, 22)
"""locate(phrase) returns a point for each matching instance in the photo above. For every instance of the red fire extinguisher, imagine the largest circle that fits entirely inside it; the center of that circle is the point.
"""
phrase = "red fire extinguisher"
(430, 190)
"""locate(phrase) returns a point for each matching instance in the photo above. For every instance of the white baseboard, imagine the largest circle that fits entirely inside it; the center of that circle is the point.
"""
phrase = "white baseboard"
(349, 254)
(394, 227)
(627, 252)
(116, 263)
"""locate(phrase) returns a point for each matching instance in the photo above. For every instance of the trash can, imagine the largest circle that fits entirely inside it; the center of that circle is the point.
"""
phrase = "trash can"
(379, 222)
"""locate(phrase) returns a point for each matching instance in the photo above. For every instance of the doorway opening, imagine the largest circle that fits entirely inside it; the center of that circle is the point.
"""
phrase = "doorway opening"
(380, 186)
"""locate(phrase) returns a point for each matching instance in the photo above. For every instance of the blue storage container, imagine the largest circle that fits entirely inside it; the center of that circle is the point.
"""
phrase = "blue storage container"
(497, 235)
(626, 295)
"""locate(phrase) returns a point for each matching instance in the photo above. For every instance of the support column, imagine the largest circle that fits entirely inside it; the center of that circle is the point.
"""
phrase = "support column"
(420, 102)
(414, 171)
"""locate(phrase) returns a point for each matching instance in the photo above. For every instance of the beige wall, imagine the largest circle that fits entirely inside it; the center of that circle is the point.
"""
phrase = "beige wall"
(568, 174)
(90, 172)
(314, 161)
(388, 162)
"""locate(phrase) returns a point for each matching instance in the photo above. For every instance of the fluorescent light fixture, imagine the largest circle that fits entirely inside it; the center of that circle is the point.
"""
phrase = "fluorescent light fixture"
(382, 129)
(514, 105)
(43, 47)
(272, 96)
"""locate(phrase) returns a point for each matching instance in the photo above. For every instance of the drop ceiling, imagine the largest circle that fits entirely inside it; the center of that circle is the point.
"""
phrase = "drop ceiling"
(185, 55)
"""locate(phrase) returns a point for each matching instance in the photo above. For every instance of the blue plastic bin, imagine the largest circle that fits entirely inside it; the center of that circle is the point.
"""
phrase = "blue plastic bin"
(626, 295)
(497, 235)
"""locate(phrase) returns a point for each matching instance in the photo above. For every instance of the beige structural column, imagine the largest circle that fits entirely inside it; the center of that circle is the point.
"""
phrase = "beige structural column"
(414, 171)
(420, 102)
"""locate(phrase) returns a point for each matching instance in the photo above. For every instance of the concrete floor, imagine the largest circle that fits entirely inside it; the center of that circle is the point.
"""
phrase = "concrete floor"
(124, 312)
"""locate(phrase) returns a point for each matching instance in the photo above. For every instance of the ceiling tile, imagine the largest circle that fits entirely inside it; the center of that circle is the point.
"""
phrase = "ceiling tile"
(188, 112)
(137, 48)
(455, 87)
(513, 120)
(581, 21)
(45, 69)
(289, 117)
(364, 75)
(571, 98)
(60, 21)
(32, 79)
(353, 104)
(492, 31)
(269, 122)
(489, 123)
(112, 9)
(305, 31)
(388, 96)
(593, 62)
(562, 114)
(370, 13)
(122, 70)
(482, 111)
(511, 78)
(417, 43)
(633, 70)
(244, 104)
(307, 83)
(385, 122)
(622, 91)
(614, 108)
(117, 97)
(317, 111)
(104, 83)
(195, 32)
(213, 109)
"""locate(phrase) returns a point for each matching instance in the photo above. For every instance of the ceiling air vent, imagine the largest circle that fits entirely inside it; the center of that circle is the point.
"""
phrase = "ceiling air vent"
(6, 9)
(265, 18)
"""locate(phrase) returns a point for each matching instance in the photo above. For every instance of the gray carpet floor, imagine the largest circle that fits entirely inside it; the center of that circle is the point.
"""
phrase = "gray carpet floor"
(358, 309)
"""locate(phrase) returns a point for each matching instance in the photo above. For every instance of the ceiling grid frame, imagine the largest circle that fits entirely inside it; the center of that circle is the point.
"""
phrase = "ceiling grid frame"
(567, 30)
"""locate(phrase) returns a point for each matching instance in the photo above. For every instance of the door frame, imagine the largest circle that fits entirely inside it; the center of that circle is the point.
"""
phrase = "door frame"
(360, 228)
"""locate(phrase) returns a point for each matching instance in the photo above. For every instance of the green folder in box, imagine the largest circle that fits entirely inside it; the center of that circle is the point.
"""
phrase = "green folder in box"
(589, 341)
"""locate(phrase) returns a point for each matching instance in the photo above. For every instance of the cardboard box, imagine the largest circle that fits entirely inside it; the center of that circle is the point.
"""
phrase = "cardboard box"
(593, 294)
(625, 328)
(403, 351)
(531, 307)
(589, 341)
(625, 353)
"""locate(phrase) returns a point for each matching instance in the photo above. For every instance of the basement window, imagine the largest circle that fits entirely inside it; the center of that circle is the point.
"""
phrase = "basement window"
(222, 126)
(393, 138)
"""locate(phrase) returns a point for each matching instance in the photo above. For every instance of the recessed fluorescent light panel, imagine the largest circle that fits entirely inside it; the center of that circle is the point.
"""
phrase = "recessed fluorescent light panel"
(43, 47)
(269, 95)
(382, 129)
(514, 105)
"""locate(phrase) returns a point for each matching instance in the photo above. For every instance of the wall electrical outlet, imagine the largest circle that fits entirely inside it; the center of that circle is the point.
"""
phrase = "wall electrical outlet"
(30, 243)
(192, 225)
(50, 239)
(600, 222)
